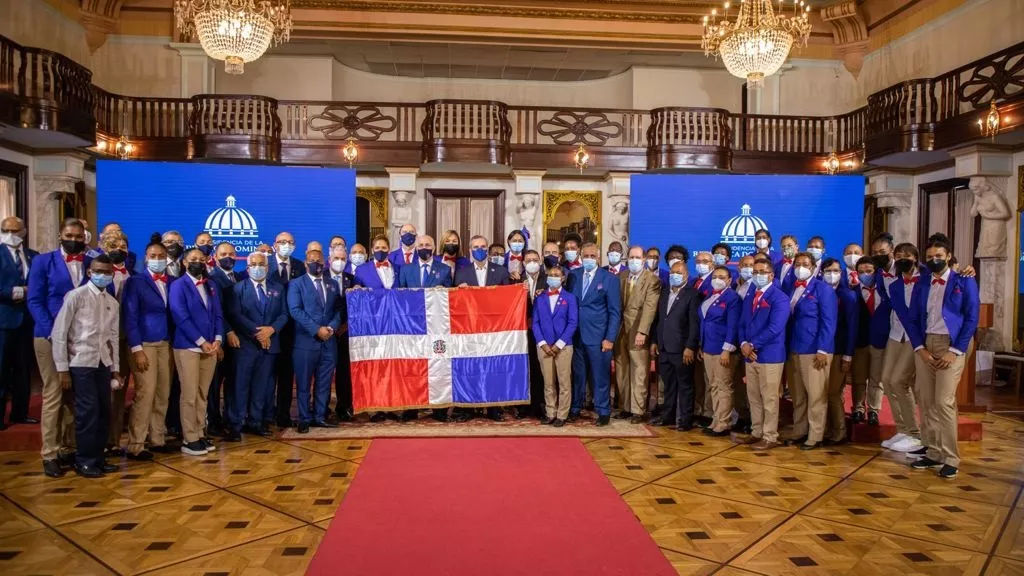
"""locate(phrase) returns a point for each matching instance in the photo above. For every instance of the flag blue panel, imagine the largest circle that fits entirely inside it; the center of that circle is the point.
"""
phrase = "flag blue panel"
(490, 379)
(385, 312)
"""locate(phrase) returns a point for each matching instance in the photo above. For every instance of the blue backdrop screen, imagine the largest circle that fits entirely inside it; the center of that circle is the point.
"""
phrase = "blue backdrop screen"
(246, 205)
(698, 211)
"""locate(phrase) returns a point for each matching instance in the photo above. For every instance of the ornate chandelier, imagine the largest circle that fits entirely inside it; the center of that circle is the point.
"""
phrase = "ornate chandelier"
(235, 31)
(757, 43)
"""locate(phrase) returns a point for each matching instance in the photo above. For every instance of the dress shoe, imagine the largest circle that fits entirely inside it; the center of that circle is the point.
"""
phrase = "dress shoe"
(378, 417)
(108, 468)
(345, 416)
(622, 415)
(925, 463)
(742, 427)
(703, 421)
(215, 430)
(303, 428)
(572, 418)
(407, 416)
(113, 452)
(462, 416)
(25, 420)
(142, 456)
(232, 437)
(711, 432)
(810, 446)
(322, 424)
(747, 440)
(67, 459)
(440, 415)
(763, 445)
(89, 471)
(873, 418)
(857, 417)
(636, 419)
(664, 422)
(284, 423)
(829, 442)
(52, 468)
(163, 449)
(265, 432)
(603, 420)
(558, 423)
(797, 440)
(250, 429)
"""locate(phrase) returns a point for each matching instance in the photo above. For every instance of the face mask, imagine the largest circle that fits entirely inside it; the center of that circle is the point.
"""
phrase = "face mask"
(315, 269)
(424, 253)
(479, 254)
(652, 263)
(358, 259)
(718, 259)
(551, 260)
(672, 262)
(881, 261)
(532, 267)
(937, 265)
(499, 260)
(117, 256)
(789, 252)
(101, 281)
(197, 269)
(746, 273)
(718, 284)
(88, 237)
(815, 253)
(675, 280)
(802, 272)
(866, 281)
(851, 260)
(408, 238)
(589, 264)
(206, 249)
(570, 255)
(614, 258)
(554, 281)
(516, 247)
(904, 266)
(380, 255)
(174, 250)
(11, 239)
(703, 269)
(285, 250)
(258, 273)
(636, 265)
(451, 249)
(337, 266)
(156, 266)
(832, 277)
(226, 263)
(761, 280)
(761, 243)
(72, 246)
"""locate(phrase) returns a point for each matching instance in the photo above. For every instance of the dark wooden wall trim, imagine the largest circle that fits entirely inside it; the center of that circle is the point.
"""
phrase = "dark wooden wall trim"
(19, 172)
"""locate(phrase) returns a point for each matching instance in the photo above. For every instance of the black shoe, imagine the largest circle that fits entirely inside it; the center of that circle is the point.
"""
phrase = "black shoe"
(918, 453)
(522, 413)
(873, 418)
(711, 432)
(558, 423)
(176, 432)
(113, 452)
(925, 463)
(857, 417)
(603, 420)
(322, 424)
(440, 415)
(345, 416)
(303, 428)
(232, 437)
(196, 448)
(52, 468)
(572, 418)
(108, 468)
(665, 422)
(637, 419)
(25, 420)
(216, 430)
(547, 421)
(284, 423)
(265, 432)
(163, 449)
(622, 415)
(378, 417)
(682, 427)
(143, 456)
(814, 446)
(828, 442)
(495, 414)
(409, 416)
(67, 460)
(89, 471)
(948, 472)
(793, 441)
(206, 442)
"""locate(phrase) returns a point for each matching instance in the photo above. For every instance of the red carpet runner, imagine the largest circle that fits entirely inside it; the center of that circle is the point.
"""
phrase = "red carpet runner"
(495, 506)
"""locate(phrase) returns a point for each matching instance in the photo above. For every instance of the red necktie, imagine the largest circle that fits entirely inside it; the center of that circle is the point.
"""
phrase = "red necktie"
(757, 299)
(160, 278)
(871, 300)
(383, 264)
(938, 281)
(887, 275)
(212, 262)
(120, 269)
(854, 278)
(718, 291)
(800, 283)
(408, 257)
(74, 258)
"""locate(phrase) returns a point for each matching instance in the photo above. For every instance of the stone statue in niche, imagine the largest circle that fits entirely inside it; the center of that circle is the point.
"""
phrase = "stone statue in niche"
(527, 212)
(401, 213)
(619, 222)
(991, 205)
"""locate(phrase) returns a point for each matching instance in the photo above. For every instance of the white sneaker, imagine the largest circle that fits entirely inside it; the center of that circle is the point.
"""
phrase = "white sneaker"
(888, 443)
(906, 445)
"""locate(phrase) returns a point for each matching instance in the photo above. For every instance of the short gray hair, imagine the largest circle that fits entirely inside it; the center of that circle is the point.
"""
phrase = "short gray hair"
(248, 259)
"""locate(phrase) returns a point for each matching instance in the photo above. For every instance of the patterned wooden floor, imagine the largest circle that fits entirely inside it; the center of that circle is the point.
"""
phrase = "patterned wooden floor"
(262, 507)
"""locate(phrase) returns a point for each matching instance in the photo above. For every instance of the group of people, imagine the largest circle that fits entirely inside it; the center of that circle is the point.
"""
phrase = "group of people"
(214, 351)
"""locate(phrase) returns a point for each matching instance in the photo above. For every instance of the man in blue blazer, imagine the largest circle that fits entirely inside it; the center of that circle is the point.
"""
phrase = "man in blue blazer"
(872, 335)
(406, 251)
(315, 305)
(282, 269)
(51, 276)
(719, 326)
(198, 336)
(258, 312)
(223, 275)
(597, 291)
(762, 335)
(783, 268)
(15, 322)
(847, 328)
(943, 319)
(378, 272)
(898, 366)
(555, 319)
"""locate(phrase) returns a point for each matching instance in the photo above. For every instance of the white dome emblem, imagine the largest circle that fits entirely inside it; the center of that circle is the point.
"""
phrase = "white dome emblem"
(231, 222)
(740, 230)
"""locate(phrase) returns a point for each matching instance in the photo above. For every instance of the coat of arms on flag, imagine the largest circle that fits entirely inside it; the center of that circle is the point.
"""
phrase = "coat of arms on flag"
(434, 348)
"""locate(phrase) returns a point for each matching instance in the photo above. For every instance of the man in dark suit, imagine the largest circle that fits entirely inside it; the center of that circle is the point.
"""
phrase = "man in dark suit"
(282, 269)
(342, 373)
(15, 322)
(224, 277)
(535, 279)
(676, 335)
(600, 311)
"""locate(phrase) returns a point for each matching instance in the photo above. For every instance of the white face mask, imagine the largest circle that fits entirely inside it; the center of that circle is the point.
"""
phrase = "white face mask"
(337, 266)
(832, 278)
(11, 239)
(851, 260)
(532, 267)
(761, 243)
(672, 262)
(718, 284)
(802, 272)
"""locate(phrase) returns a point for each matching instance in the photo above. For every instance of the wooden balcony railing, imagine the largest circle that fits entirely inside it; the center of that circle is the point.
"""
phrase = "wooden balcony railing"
(466, 131)
(688, 137)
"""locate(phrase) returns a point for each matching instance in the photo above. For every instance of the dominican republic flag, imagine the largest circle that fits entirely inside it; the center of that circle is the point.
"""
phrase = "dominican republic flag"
(438, 347)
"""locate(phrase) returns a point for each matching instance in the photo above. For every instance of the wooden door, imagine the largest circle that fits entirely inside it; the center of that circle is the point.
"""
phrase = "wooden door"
(468, 212)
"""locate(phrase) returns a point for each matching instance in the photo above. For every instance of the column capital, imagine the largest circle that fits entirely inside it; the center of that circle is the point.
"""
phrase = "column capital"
(402, 178)
(982, 160)
(70, 165)
(891, 189)
(529, 181)
(619, 184)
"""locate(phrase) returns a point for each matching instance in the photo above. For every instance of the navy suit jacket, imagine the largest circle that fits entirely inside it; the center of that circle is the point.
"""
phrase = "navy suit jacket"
(310, 312)
(847, 321)
(145, 316)
(296, 269)
(705, 288)
(561, 325)
(960, 306)
(721, 323)
(873, 329)
(600, 310)
(812, 322)
(765, 327)
(193, 319)
(246, 315)
(48, 282)
(411, 275)
(496, 275)
(12, 314)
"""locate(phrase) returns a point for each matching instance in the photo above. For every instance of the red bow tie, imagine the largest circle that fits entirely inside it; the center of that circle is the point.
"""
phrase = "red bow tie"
(554, 291)
(718, 291)
(75, 258)
(787, 260)
(383, 264)
(160, 278)
(912, 280)
(514, 257)
(120, 269)
(938, 281)
(800, 283)
(201, 282)
(887, 275)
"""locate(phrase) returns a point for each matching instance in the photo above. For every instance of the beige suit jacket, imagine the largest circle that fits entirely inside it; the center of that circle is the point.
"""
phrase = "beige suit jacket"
(639, 305)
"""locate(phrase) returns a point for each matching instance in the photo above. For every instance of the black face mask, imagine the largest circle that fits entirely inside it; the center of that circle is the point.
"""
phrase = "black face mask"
(424, 253)
(197, 269)
(904, 266)
(937, 265)
(117, 256)
(174, 250)
(227, 263)
(206, 249)
(551, 261)
(315, 269)
(881, 261)
(451, 249)
(72, 246)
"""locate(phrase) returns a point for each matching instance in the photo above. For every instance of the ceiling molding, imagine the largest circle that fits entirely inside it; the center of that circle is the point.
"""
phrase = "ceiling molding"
(850, 33)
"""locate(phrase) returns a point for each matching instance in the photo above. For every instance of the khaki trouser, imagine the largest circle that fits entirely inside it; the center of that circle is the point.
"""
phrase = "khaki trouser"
(937, 391)
(632, 367)
(867, 378)
(739, 390)
(57, 422)
(702, 404)
(195, 372)
(152, 389)
(810, 397)
(719, 380)
(835, 423)
(898, 384)
(557, 373)
(116, 426)
(763, 395)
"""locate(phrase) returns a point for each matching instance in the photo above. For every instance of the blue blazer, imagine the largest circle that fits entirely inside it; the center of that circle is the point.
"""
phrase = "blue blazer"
(310, 313)
(48, 282)
(960, 305)
(561, 325)
(192, 319)
(765, 328)
(145, 316)
(460, 262)
(12, 314)
(601, 310)
(784, 282)
(366, 276)
(705, 289)
(246, 315)
(397, 258)
(873, 329)
(897, 301)
(721, 324)
(496, 275)
(812, 322)
(297, 268)
(847, 321)
(411, 275)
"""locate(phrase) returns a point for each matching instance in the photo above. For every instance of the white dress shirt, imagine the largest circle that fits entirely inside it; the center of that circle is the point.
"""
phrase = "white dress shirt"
(481, 274)
(161, 286)
(896, 330)
(673, 293)
(386, 274)
(85, 331)
(18, 292)
(870, 297)
(785, 269)
(531, 281)
(798, 291)
(936, 295)
(74, 268)
(742, 288)
(119, 280)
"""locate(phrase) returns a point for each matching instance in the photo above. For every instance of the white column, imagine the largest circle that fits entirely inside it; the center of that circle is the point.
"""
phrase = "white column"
(615, 220)
(406, 204)
(53, 176)
(198, 71)
(896, 192)
(528, 213)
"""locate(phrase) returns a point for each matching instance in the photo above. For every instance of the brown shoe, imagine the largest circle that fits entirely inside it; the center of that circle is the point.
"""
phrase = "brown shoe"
(741, 439)
(764, 445)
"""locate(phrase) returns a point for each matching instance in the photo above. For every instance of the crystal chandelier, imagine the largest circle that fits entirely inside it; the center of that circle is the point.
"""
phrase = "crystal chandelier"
(757, 43)
(235, 31)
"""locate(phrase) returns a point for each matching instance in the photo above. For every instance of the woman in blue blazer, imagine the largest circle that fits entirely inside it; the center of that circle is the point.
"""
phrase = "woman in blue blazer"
(719, 326)
(847, 325)
(555, 319)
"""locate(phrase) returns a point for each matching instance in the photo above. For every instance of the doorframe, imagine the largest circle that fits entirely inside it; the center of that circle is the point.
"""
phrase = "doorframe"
(499, 212)
(19, 173)
(950, 185)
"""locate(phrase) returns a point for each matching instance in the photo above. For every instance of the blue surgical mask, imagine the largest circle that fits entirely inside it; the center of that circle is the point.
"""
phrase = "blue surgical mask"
(285, 250)
(815, 253)
(358, 259)
(479, 254)
(554, 281)
(675, 280)
(499, 260)
(614, 258)
(636, 265)
(703, 269)
(516, 247)
(570, 255)
(258, 273)
(408, 238)
(866, 280)
(101, 281)
(156, 266)
(589, 264)
(761, 280)
(718, 259)
(746, 273)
